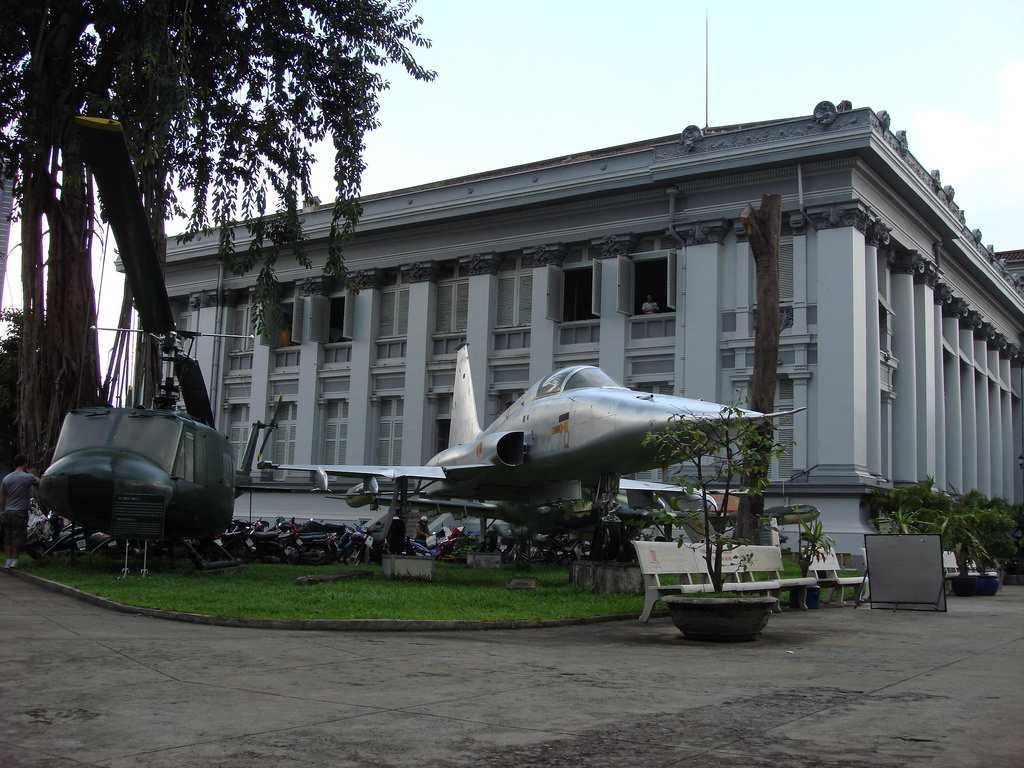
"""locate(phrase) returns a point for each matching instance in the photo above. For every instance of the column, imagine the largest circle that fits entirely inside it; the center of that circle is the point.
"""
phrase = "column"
(940, 397)
(364, 328)
(1009, 454)
(481, 269)
(204, 308)
(744, 281)
(968, 402)
(1017, 423)
(801, 432)
(842, 346)
(924, 364)
(877, 234)
(953, 418)
(309, 364)
(904, 425)
(995, 413)
(542, 327)
(700, 311)
(419, 276)
(981, 423)
(615, 310)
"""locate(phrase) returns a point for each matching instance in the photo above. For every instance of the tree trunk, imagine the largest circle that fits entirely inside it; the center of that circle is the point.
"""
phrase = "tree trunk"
(764, 227)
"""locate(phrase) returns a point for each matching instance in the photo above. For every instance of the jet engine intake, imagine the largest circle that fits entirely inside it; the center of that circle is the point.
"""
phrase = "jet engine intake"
(363, 494)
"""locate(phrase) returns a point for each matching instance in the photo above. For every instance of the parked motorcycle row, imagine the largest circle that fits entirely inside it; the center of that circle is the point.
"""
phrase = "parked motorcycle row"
(316, 542)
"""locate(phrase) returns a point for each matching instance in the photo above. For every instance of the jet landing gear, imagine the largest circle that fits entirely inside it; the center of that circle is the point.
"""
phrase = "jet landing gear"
(609, 542)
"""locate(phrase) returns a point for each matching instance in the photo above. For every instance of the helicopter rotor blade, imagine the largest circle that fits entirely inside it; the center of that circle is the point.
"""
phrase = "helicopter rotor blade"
(272, 425)
(105, 151)
(193, 389)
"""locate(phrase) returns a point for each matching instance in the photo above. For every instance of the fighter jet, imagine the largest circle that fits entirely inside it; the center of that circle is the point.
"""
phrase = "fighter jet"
(571, 437)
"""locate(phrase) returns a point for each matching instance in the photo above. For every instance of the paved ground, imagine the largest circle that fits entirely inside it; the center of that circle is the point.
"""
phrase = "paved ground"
(836, 687)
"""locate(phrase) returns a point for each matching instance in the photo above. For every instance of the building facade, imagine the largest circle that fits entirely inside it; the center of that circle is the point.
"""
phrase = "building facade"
(900, 336)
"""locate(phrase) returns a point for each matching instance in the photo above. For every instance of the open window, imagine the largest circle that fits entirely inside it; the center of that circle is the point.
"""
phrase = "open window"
(654, 284)
(577, 294)
(337, 327)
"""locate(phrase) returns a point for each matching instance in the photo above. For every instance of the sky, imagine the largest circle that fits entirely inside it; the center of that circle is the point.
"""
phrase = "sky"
(527, 80)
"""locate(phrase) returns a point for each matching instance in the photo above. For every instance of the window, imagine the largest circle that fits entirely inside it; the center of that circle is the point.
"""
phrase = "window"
(577, 294)
(552, 385)
(884, 329)
(394, 313)
(282, 439)
(650, 287)
(389, 431)
(336, 330)
(443, 424)
(238, 428)
(241, 324)
(785, 269)
(334, 432)
(784, 429)
(452, 307)
(282, 333)
(589, 377)
(184, 464)
(515, 300)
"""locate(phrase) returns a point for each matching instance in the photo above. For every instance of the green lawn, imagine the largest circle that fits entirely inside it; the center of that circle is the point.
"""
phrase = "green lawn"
(270, 592)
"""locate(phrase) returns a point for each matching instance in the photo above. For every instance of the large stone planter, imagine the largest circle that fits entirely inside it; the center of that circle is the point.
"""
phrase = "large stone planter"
(483, 559)
(405, 567)
(720, 619)
(607, 577)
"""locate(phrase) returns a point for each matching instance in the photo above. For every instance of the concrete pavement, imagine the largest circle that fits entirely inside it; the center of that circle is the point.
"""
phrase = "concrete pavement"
(835, 687)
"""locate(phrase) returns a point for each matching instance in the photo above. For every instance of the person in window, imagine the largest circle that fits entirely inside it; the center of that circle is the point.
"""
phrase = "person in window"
(650, 306)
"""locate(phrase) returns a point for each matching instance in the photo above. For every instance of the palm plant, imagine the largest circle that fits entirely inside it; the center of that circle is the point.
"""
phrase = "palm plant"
(814, 544)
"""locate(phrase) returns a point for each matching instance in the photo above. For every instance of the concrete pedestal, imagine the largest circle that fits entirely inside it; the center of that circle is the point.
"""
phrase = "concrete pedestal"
(607, 577)
(483, 559)
(404, 567)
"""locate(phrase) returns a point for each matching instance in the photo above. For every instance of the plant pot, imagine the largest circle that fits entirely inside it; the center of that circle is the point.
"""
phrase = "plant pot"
(813, 598)
(720, 619)
(986, 585)
(964, 586)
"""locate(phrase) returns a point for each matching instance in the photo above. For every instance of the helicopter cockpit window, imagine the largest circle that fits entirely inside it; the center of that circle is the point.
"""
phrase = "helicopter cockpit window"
(184, 464)
(589, 377)
(85, 429)
(155, 437)
(552, 385)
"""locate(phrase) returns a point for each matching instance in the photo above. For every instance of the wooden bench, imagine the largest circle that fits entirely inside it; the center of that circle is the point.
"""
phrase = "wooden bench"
(826, 571)
(662, 559)
(743, 565)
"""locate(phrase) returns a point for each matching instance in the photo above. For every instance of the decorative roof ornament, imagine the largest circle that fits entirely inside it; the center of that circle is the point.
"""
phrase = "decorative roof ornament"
(825, 113)
(690, 136)
(936, 180)
(884, 119)
(613, 246)
(844, 106)
(903, 143)
(976, 234)
(950, 193)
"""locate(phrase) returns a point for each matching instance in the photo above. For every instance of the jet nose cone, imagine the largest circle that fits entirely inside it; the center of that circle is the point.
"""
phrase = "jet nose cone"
(663, 408)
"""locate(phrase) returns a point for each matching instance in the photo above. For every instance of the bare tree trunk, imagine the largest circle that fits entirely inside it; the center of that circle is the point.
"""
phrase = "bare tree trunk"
(764, 228)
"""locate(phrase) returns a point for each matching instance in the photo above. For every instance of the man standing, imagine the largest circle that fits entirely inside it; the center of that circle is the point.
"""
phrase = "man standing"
(15, 494)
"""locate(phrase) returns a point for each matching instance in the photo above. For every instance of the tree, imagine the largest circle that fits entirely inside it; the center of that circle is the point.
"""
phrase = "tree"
(717, 452)
(9, 344)
(221, 100)
(763, 227)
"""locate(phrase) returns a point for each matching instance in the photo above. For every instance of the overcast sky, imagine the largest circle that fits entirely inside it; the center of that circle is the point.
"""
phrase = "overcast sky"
(533, 79)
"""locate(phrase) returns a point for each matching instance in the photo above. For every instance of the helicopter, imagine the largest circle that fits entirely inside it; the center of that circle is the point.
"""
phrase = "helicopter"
(143, 473)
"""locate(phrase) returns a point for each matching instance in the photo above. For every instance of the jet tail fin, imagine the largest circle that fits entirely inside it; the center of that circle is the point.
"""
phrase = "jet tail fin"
(465, 425)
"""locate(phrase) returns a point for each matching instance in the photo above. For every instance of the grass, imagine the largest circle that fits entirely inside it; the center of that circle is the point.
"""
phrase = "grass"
(263, 591)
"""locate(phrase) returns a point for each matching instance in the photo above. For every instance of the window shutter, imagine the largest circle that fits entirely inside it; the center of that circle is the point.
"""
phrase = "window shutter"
(386, 326)
(443, 318)
(556, 290)
(349, 323)
(317, 318)
(785, 428)
(625, 303)
(461, 306)
(595, 287)
(505, 315)
(671, 284)
(786, 269)
(402, 313)
(298, 310)
(525, 300)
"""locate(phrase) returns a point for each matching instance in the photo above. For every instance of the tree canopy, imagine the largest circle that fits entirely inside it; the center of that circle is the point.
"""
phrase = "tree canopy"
(221, 101)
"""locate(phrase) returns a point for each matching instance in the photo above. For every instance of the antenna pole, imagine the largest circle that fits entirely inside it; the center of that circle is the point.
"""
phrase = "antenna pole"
(706, 76)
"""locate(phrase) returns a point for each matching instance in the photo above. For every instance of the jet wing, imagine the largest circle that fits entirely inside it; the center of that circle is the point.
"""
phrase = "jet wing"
(646, 485)
(454, 472)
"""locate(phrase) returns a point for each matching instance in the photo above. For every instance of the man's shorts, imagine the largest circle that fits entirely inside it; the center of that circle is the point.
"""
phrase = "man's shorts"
(15, 528)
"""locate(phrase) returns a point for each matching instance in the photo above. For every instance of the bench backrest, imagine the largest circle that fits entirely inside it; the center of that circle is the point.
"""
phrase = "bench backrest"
(666, 557)
(949, 562)
(743, 562)
(829, 563)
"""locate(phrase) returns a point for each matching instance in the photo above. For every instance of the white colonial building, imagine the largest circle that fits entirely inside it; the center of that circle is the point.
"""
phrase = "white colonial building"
(901, 329)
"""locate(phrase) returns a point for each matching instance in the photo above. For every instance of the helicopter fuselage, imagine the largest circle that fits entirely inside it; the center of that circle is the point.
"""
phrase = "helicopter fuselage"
(141, 473)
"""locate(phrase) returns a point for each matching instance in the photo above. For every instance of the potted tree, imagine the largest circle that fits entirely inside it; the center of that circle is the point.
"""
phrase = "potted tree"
(995, 526)
(958, 527)
(715, 452)
(814, 544)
